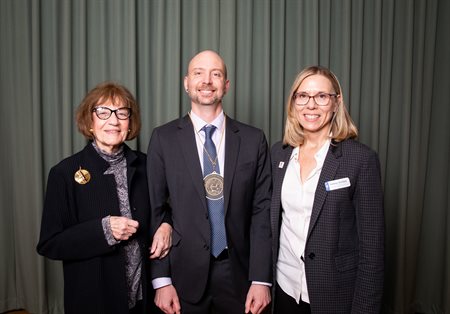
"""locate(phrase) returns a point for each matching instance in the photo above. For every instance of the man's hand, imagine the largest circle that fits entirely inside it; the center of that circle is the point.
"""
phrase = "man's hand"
(166, 299)
(162, 241)
(258, 297)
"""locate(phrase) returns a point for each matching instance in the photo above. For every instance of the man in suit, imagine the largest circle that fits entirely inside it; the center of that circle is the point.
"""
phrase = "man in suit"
(212, 173)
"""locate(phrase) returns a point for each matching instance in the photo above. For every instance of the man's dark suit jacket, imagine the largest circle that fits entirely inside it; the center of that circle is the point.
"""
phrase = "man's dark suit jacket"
(344, 253)
(176, 184)
(71, 231)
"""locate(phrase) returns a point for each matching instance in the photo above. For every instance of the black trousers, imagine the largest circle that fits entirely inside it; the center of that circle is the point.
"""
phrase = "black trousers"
(285, 304)
(220, 296)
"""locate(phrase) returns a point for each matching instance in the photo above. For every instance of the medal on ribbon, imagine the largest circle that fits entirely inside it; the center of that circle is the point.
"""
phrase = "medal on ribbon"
(213, 186)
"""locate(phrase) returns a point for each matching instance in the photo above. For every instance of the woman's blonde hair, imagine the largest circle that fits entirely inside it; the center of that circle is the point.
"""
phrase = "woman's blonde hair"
(342, 126)
(108, 91)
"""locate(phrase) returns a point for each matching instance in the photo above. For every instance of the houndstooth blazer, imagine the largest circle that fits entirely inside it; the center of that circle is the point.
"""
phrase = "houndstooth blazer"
(344, 252)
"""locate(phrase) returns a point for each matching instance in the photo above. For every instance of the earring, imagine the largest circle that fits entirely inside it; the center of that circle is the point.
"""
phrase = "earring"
(91, 130)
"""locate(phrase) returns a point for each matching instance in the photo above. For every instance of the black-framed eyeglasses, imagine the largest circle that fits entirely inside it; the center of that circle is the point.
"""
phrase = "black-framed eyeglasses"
(103, 113)
(321, 99)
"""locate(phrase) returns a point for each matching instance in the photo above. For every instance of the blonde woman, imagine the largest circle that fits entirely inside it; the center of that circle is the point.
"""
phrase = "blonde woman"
(327, 206)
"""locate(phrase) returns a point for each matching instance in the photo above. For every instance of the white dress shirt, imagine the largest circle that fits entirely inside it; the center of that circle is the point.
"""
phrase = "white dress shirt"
(218, 137)
(297, 200)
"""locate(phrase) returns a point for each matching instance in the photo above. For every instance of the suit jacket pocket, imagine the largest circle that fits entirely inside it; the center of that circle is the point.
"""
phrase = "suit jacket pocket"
(245, 166)
(347, 261)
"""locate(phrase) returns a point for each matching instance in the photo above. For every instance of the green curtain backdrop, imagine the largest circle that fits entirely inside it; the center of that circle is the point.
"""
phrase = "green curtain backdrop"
(392, 57)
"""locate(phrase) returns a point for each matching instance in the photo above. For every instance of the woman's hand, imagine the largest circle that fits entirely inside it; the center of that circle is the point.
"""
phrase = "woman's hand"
(123, 228)
(162, 241)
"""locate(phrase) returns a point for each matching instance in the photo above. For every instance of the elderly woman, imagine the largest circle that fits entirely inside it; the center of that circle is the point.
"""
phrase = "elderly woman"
(96, 211)
(327, 206)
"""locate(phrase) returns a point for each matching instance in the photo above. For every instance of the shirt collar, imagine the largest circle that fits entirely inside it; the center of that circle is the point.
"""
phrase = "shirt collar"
(322, 153)
(294, 154)
(319, 156)
(200, 123)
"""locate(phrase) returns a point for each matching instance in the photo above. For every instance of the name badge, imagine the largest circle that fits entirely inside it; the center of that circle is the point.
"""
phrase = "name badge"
(337, 184)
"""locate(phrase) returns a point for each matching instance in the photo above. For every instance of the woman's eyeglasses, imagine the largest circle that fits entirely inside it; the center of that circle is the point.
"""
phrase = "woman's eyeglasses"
(103, 113)
(321, 99)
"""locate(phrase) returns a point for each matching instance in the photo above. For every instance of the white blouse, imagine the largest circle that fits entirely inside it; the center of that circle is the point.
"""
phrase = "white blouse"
(297, 200)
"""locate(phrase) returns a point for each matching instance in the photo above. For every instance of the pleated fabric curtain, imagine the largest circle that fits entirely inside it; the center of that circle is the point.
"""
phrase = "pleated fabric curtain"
(391, 56)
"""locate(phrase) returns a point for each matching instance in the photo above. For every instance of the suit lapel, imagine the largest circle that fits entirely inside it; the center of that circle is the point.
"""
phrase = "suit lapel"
(281, 164)
(330, 166)
(232, 146)
(188, 146)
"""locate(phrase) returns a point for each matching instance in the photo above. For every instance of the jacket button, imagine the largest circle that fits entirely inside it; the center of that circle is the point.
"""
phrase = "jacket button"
(311, 255)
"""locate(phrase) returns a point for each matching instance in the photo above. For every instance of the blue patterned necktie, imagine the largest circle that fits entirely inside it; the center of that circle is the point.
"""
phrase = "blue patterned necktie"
(215, 206)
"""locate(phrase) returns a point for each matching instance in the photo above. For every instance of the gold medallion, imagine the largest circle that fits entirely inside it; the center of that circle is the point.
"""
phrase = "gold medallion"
(82, 176)
(213, 186)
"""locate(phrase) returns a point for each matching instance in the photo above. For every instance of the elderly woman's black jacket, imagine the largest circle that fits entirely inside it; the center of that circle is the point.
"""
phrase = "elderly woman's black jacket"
(71, 231)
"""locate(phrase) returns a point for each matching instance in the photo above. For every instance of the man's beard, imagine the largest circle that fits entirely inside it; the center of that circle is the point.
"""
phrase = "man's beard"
(212, 101)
